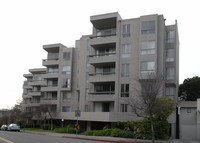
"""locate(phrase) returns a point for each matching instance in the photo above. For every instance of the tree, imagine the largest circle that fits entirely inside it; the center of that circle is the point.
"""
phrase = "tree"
(189, 90)
(145, 102)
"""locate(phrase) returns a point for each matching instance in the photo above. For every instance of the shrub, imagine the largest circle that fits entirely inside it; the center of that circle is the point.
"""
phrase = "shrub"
(60, 130)
(89, 133)
(124, 134)
(71, 130)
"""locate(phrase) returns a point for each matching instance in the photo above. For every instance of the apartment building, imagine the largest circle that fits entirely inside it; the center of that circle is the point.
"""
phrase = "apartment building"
(103, 68)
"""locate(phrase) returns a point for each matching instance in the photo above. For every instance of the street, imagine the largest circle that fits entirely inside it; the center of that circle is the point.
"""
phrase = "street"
(23, 137)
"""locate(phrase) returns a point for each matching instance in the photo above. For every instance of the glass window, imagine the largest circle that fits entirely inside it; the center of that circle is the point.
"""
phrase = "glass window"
(126, 30)
(170, 55)
(126, 50)
(189, 110)
(170, 73)
(66, 97)
(170, 91)
(125, 70)
(66, 56)
(148, 47)
(53, 70)
(170, 36)
(52, 82)
(86, 108)
(52, 95)
(66, 109)
(148, 27)
(124, 90)
(66, 70)
(66, 83)
(147, 67)
(123, 107)
(52, 56)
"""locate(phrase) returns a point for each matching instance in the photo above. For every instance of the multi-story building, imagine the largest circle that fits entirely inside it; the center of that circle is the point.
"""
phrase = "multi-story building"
(102, 69)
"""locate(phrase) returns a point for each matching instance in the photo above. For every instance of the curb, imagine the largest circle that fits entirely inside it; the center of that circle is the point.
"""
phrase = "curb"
(96, 139)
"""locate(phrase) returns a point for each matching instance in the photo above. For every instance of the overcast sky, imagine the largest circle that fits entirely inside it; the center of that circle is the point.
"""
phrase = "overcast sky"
(26, 25)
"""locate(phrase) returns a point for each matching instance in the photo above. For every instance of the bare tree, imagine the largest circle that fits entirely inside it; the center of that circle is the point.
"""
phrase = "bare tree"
(144, 97)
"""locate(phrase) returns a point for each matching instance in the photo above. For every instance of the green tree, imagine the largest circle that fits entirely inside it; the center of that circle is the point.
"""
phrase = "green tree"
(189, 90)
(163, 107)
(146, 103)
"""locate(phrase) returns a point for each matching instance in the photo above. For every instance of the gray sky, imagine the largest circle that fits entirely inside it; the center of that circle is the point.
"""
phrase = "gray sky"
(26, 25)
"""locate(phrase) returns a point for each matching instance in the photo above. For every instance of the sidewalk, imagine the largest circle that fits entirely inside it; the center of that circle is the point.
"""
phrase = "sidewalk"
(106, 139)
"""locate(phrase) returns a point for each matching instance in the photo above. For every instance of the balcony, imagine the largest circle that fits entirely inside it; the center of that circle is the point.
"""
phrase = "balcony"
(37, 82)
(50, 75)
(35, 103)
(101, 96)
(26, 95)
(100, 116)
(50, 88)
(96, 40)
(26, 85)
(102, 58)
(102, 77)
(34, 93)
(105, 33)
(48, 62)
(48, 101)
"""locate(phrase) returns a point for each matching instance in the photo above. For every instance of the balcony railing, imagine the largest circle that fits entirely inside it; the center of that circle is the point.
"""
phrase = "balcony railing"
(103, 54)
(44, 60)
(103, 73)
(105, 33)
(102, 92)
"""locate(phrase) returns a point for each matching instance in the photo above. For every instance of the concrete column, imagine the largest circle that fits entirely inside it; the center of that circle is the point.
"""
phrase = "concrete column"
(198, 119)
(89, 126)
(173, 130)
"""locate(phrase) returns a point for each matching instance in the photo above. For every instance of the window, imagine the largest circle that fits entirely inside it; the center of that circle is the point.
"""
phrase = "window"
(123, 107)
(66, 70)
(170, 91)
(170, 73)
(36, 88)
(124, 90)
(170, 55)
(52, 82)
(66, 109)
(126, 30)
(86, 108)
(66, 56)
(148, 47)
(147, 67)
(148, 27)
(170, 36)
(53, 70)
(125, 70)
(37, 77)
(126, 50)
(189, 110)
(52, 95)
(52, 56)
(66, 97)
(66, 83)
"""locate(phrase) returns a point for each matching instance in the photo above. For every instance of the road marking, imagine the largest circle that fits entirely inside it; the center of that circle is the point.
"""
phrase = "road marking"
(7, 141)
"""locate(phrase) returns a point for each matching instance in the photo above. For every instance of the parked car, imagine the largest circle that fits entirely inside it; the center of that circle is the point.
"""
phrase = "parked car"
(14, 127)
(4, 127)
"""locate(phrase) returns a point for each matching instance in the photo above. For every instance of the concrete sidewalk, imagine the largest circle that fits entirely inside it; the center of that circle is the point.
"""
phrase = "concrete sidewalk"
(106, 139)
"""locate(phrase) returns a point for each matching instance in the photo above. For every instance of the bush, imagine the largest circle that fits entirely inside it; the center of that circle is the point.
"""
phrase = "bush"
(60, 130)
(123, 133)
(71, 130)
(89, 133)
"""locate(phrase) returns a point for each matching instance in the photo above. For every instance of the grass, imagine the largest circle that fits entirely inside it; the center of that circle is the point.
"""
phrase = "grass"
(37, 129)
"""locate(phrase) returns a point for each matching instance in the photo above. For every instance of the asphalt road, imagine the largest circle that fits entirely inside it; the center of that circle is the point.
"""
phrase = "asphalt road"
(22, 137)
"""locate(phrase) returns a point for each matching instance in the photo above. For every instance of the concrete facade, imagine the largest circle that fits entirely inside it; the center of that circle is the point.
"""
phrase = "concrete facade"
(189, 117)
(104, 67)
